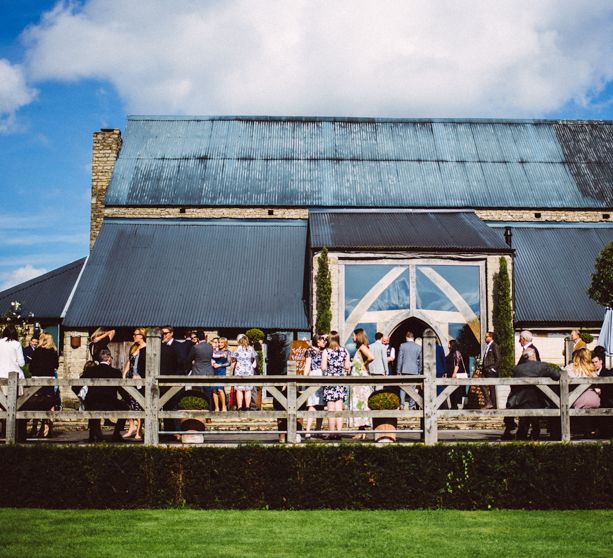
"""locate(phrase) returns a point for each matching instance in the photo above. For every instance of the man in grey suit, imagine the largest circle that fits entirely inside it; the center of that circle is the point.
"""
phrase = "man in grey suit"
(379, 366)
(409, 362)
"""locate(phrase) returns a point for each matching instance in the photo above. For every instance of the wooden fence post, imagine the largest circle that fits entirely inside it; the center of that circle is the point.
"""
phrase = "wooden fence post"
(430, 435)
(292, 420)
(569, 345)
(152, 389)
(11, 408)
(564, 407)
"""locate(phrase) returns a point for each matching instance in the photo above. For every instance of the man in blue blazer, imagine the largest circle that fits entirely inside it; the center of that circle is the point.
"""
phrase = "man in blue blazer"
(409, 362)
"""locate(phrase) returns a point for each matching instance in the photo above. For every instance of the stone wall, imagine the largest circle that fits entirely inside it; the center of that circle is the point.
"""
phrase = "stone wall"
(574, 216)
(207, 212)
(106, 147)
(73, 361)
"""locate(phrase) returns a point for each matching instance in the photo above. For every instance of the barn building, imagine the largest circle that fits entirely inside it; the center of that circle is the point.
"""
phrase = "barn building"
(217, 222)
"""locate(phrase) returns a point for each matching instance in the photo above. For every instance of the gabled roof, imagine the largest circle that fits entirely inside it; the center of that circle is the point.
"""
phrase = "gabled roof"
(45, 296)
(194, 273)
(553, 270)
(363, 162)
(434, 231)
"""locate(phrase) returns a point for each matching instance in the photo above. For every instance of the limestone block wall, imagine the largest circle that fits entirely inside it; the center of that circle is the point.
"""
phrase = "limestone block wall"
(106, 147)
(206, 212)
(72, 362)
(574, 216)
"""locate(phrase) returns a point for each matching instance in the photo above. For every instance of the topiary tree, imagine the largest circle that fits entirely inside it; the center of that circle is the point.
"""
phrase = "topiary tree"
(323, 293)
(503, 318)
(601, 289)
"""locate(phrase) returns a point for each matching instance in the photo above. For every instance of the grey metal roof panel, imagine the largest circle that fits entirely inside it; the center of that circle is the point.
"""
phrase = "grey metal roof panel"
(194, 273)
(45, 296)
(553, 270)
(412, 230)
(328, 162)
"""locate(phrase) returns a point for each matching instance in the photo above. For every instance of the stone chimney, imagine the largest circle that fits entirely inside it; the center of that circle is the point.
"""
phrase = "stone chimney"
(107, 144)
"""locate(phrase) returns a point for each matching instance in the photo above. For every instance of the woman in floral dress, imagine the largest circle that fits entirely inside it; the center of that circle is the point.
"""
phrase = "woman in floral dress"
(246, 361)
(358, 397)
(335, 362)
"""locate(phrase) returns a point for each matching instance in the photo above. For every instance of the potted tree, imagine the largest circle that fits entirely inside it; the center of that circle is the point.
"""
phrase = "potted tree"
(384, 400)
(194, 426)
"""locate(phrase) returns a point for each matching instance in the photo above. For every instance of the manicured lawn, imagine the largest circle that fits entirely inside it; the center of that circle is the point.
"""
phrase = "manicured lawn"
(444, 533)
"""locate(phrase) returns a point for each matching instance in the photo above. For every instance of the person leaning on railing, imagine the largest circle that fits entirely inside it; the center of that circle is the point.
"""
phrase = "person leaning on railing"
(582, 367)
(528, 397)
(104, 398)
(604, 424)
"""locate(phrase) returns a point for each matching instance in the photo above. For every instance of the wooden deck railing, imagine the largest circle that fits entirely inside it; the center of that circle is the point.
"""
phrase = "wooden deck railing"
(292, 391)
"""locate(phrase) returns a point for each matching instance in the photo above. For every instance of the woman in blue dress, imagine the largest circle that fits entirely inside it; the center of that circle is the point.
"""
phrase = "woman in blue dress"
(221, 361)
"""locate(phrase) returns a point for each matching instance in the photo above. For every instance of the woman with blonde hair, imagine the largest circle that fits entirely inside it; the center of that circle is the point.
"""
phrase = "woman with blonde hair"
(582, 367)
(135, 367)
(44, 364)
(246, 360)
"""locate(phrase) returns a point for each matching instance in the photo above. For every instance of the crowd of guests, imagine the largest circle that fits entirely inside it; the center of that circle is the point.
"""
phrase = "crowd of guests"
(196, 355)
(582, 363)
(40, 359)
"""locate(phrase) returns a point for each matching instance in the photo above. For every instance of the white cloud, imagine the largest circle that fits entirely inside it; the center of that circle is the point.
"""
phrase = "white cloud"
(20, 275)
(14, 93)
(414, 58)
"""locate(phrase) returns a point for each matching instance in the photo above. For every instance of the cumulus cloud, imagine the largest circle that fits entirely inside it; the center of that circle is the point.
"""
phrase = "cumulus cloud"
(19, 275)
(14, 93)
(414, 58)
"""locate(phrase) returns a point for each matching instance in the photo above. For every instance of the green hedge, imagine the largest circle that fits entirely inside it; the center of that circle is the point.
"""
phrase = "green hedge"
(479, 476)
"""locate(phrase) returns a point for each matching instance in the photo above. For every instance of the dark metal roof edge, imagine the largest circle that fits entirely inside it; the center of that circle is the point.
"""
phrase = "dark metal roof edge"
(357, 119)
(42, 278)
(558, 323)
(548, 224)
(429, 249)
(384, 210)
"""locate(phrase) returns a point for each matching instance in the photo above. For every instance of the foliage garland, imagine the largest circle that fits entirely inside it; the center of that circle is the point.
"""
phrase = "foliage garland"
(503, 318)
(323, 293)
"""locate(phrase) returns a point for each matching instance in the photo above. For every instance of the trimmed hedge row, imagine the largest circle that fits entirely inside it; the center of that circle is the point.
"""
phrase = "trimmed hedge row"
(479, 476)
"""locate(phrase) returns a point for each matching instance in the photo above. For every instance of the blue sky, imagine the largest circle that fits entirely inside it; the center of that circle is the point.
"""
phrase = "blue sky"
(68, 69)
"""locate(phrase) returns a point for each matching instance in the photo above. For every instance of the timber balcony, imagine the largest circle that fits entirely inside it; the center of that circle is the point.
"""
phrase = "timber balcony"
(291, 393)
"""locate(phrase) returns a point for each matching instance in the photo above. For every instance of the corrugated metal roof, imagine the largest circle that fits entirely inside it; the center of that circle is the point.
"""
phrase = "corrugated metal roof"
(393, 230)
(45, 296)
(351, 162)
(553, 270)
(193, 273)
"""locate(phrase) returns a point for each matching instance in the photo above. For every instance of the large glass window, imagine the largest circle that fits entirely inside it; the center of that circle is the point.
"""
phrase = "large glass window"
(447, 296)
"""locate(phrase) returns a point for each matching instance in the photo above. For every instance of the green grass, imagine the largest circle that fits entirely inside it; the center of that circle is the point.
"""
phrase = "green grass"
(444, 533)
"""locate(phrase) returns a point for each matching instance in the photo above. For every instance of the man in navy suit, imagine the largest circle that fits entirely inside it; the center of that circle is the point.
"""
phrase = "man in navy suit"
(409, 362)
